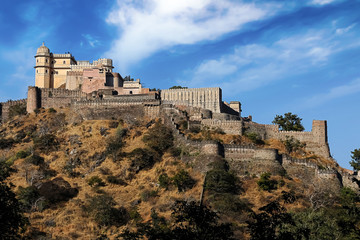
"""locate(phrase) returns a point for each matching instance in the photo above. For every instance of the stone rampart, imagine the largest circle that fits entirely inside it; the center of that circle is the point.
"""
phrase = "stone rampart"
(229, 127)
(207, 98)
(5, 108)
(57, 97)
(316, 140)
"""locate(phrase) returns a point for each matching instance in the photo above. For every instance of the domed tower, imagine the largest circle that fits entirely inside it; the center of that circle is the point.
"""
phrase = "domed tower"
(43, 68)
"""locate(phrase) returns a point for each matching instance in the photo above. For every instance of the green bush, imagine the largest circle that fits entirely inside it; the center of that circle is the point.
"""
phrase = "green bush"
(46, 143)
(265, 183)
(115, 180)
(101, 209)
(22, 154)
(183, 181)
(51, 110)
(148, 194)
(293, 145)
(116, 143)
(159, 138)
(35, 159)
(255, 138)
(221, 181)
(142, 158)
(164, 181)
(27, 197)
(96, 181)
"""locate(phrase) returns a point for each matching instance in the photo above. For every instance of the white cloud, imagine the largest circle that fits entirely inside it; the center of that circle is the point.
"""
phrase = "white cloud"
(341, 31)
(322, 2)
(92, 41)
(256, 65)
(154, 25)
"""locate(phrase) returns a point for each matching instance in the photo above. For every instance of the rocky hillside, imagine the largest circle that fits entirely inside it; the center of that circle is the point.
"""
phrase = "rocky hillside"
(126, 178)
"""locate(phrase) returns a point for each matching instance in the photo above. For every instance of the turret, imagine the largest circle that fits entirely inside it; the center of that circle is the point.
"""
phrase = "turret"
(43, 67)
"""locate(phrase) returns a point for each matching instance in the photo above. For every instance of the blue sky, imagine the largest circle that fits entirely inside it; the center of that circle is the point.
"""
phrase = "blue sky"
(273, 56)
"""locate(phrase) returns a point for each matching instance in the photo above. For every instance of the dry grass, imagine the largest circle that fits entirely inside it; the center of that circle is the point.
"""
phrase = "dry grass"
(67, 219)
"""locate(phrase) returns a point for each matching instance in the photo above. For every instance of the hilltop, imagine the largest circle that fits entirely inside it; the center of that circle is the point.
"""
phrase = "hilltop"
(139, 167)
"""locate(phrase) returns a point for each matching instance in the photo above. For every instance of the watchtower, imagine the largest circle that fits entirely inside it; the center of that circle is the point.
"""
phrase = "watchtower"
(43, 68)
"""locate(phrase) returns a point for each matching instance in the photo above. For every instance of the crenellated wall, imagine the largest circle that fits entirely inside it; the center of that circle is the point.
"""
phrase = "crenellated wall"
(230, 127)
(316, 140)
(207, 98)
(5, 108)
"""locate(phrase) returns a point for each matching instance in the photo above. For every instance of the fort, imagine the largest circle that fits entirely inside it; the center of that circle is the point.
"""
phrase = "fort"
(92, 88)
(94, 91)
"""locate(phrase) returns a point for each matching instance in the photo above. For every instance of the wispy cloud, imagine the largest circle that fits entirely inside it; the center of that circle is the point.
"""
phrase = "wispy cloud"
(152, 25)
(92, 41)
(345, 30)
(322, 2)
(255, 65)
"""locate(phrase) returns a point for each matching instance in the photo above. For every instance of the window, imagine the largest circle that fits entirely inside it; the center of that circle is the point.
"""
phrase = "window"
(37, 60)
(37, 71)
(46, 60)
(130, 92)
(64, 62)
(45, 71)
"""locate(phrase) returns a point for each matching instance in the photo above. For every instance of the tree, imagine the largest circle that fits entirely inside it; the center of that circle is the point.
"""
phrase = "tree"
(289, 122)
(355, 162)
(12, 221)
(191, 221)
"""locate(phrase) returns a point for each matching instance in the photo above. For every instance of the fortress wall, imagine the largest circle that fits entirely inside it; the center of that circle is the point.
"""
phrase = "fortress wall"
(56, 97)
(247, 159)
(316, 140)
(229, 127)
(5, 108)
(129, 113)
(207, 98)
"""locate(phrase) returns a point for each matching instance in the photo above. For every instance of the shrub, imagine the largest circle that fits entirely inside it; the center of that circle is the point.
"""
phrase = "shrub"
(51, 110)
(6, 143)
(35, 159)
(255, 138)
(142, 158)
(265, 183)
(135, 215)
(293, 145)
(96, 181)
(147, 194)
(115, 144)
(159, 138)
(183, 181)
(115, 180)
(175, 151)
(221, 181)
(164, 181)
(46, 143)
(22, 154)
(101, 209)
(27, 197)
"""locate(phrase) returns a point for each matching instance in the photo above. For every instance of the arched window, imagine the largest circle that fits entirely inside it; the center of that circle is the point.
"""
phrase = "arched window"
(46, 60)
(64, 62)
(45, 71)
